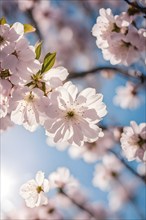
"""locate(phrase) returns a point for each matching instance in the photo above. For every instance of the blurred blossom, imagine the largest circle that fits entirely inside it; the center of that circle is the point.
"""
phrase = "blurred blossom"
(98, 210)
(62, 179)
(127, 96)
(133, 141)
(92, 152)
(5, 123)
(60, 146)
(141, 169)
(107, 173)
(26, 4)
(125, 194)
(108, 74)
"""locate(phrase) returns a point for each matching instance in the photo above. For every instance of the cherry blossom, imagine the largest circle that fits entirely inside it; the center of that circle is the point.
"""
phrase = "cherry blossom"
(127, 97)
(74, 118)
(107, 23)
(20, 60)
(34, 191)
(106, 174)
(8, 34)
(28, 107)
(62, 179)
(121, 42)
(133, 141)
(54, 78)
(125, 49)
(5, 123)
(125, 193)
(5, 93)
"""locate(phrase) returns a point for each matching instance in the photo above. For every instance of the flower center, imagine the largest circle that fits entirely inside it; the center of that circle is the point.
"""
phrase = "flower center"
(30, 97)
(91, 146)
(15, 53)
(39, 189)
(141, 142)
(70, 114)
(1, 39)
(116, 28)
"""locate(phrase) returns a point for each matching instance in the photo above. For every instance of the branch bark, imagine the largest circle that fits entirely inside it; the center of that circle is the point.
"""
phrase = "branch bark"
(121, 71)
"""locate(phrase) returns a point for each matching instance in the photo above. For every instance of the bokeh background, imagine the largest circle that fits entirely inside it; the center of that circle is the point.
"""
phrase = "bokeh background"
(65, 26)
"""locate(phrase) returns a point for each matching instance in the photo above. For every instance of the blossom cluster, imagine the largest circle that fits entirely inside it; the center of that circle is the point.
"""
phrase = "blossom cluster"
(120, 41)
(34, 93)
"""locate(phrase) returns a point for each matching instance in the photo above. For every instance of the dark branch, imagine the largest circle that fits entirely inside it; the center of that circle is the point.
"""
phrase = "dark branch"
(143, 178)
(135, 5)
(31, 18)
(121, 71)
(81, 206)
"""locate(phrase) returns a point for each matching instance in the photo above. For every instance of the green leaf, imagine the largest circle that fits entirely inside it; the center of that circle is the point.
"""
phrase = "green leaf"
(28, 28)
(38, 50)
(3, 20)
(49, 61)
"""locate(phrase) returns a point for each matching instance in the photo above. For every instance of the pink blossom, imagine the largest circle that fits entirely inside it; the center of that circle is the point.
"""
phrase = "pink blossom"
(127, 97)
(5, 93)
(133, 141)
(28, 107)
(73, 117)
(5, 123)
(20, 60)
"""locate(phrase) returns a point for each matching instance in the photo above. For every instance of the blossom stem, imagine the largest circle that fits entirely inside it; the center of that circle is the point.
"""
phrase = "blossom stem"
(143, 178)
(81, 206)
(121, 71)
(135, 5)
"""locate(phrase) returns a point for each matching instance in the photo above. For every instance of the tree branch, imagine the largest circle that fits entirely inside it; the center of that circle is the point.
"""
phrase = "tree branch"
(135, 5)
(143, 178)
(121, 71)
(30, 16)
(81, 206)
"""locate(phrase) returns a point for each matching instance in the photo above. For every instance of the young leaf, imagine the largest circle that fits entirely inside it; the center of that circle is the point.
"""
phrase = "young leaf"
(28, 28)
(49, 61)
(3, 20)
(38, 50)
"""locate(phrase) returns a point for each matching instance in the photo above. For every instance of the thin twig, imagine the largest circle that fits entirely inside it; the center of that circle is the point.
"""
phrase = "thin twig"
(135, 5)
(81, 206)
(121, 71)
(30, 16)
(143, 178)
(131, 200)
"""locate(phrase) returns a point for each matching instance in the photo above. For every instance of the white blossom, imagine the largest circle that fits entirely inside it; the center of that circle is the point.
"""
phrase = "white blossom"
(5, 93)
(20, 60)
(106, 174)
(121, 42)
(5, 123)
(54, 78)
(133, 141)
(34, 191)
(28, 107)
(127, 97)
(8, 34)
(73, 117)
